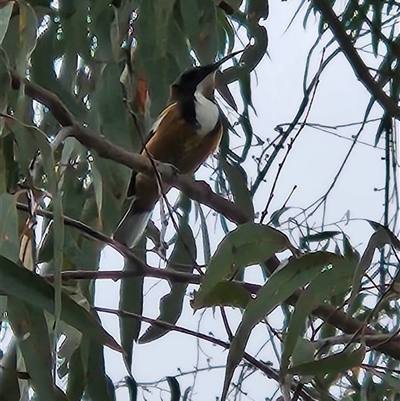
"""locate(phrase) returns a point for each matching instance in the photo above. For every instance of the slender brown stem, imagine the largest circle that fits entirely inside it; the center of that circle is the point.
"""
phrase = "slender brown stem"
(269, 372)
(356, 62)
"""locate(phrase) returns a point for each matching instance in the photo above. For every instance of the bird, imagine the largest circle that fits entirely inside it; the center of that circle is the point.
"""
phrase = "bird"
(184, 135)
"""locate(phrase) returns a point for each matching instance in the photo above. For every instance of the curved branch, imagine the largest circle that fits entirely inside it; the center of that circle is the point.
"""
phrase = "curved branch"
(358, 65)
(269, 372)
(198, 191)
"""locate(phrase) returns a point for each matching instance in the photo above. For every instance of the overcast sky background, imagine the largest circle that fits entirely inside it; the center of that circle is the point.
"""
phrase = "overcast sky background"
(312, 165)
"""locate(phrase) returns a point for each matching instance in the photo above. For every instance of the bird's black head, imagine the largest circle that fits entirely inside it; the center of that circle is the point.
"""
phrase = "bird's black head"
(189, 81)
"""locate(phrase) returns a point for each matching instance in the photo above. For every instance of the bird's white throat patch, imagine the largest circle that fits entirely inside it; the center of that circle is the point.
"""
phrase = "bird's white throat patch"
(207, 114)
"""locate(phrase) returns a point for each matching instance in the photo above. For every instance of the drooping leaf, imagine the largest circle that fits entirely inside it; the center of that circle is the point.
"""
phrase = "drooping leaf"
(40, 142)
(48, 51)
(131, 300)
(337, 363)
(283, 282)
(328, 283)
(381, 237)
(151, 49)
(30, 327)
(130, 382)
(9, 388)
(204, 233)
(9, 227)
(76, 377)
(20, 38)
(206, 44)
(5, 15)
(5, 85)
(320, 236)
(99, 386)
(248, 244)
(256, 9)
(226, 293)
(174, 388)
(182, 259)
(237, 179)
(275, 216)
(377, 22)
(29, 287)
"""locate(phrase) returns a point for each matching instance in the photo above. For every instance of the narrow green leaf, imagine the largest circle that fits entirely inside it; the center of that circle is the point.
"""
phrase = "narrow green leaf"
(30, 327)
(247, 245)
(5, 14)
(303, 352)
(151, 49)
(48, 50)
(130, 382)
(256, 9)
(204, 233)
(174, 388)
(5, 85)
(21, 132)
(131, 300)
(226, 293)
(328, 283)
(98, 189)
(283, 283)
(9, 388)
(226, 25)
(186, 393)
(190, 16)
(377, 22)
(9, 241)
(237, 179)
(74, 19)
(182, 259)
(391, 381)
(99, 387)
(338, 363)
(76, 377)
(29, 287)
(381, 237)
(206, 47)
(320, 236)
(20, 38)
(275, 216)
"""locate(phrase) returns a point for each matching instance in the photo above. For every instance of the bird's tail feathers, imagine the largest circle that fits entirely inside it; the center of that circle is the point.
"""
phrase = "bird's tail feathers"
(131, 228)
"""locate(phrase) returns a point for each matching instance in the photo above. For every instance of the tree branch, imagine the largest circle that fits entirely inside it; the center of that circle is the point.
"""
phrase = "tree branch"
(358, 65)
(198, 191)
(269, 372)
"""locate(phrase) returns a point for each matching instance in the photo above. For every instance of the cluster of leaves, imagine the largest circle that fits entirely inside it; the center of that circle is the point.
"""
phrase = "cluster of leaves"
(102, 59)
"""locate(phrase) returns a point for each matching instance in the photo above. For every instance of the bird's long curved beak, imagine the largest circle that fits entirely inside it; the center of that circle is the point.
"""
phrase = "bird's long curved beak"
(217, 64)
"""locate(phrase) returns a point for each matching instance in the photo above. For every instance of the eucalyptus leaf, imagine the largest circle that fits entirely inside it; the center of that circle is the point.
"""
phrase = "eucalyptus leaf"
(29, 287)
(337, 363)
(9, 247)
(171, 304)
(248, 244)
(283, 283)
(30, 327)
(174, 388)
(5, 15)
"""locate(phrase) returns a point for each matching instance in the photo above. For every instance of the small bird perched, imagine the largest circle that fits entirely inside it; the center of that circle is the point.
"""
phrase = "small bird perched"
(184, 135)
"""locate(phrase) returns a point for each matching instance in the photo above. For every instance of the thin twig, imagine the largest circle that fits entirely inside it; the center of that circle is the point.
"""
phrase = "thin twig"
(268, 371)
(356, 62)
(290, 145)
